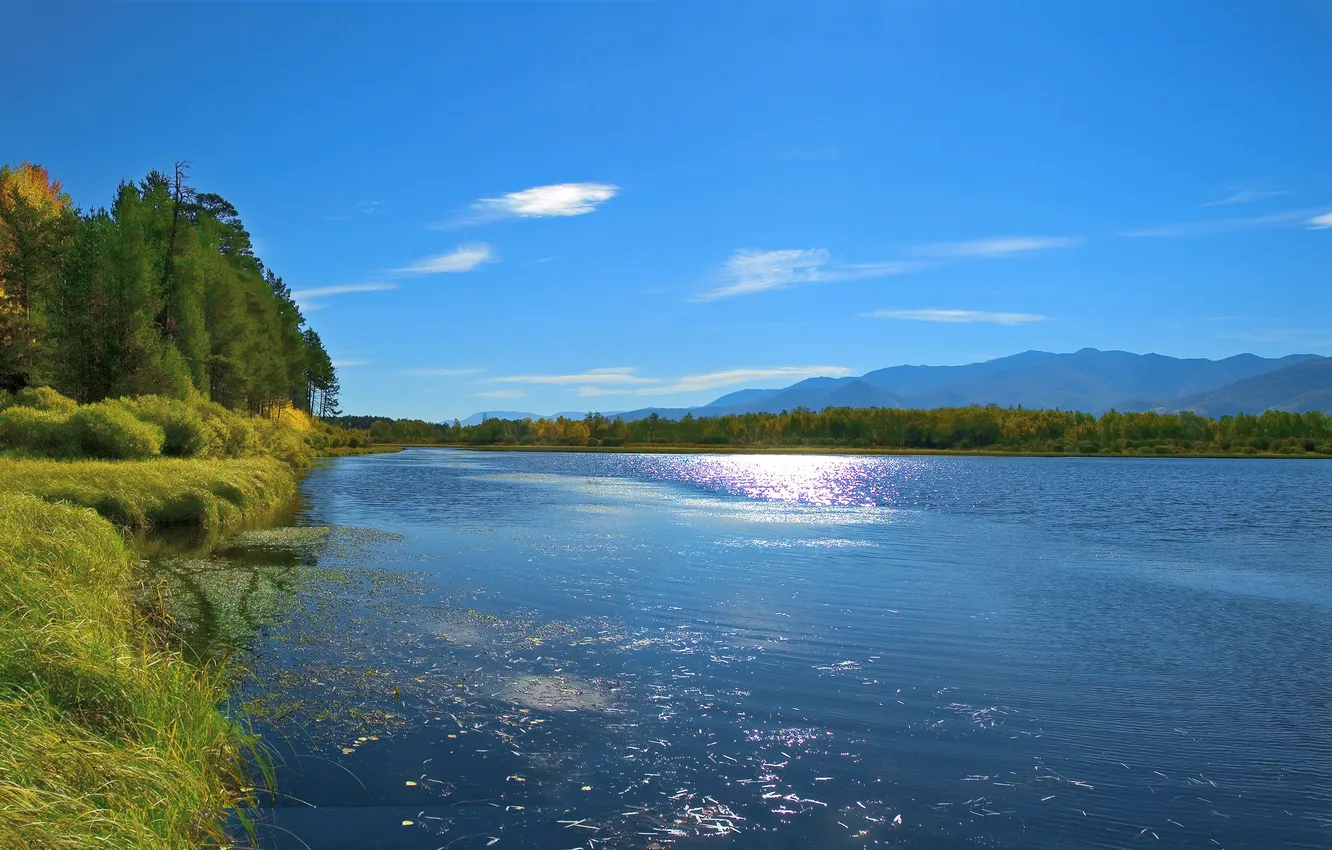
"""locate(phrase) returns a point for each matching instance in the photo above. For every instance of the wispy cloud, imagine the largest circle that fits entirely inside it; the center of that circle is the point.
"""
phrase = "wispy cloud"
(325, 291)
(957, 316)
(559, 199)
(997, 246)
(1247, 196)
(750, 271)
(464, 258)
(445, 373)
(726, 378)
(1320, 222)
(501, 394)
(613, 375)
(345, 364)
(1226, 225)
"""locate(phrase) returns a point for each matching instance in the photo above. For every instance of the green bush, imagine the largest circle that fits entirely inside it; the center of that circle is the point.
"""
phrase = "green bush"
(109, 429)
(283, 443)
(32, 430)
(185, 432)
(44, 398)
(233, 434)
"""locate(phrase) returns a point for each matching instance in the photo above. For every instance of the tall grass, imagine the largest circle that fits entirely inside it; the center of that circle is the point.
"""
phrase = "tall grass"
(108, 740)
(38, 421)
(209, 494)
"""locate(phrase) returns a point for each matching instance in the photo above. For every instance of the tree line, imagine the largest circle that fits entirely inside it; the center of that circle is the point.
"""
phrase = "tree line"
(159, 293)
(990, 428)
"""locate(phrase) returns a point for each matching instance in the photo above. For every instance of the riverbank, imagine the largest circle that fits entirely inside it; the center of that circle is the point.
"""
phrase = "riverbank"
(848, 451)
(111, 737)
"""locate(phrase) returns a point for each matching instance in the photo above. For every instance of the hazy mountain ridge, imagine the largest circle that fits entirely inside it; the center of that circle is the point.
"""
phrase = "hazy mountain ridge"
(1088, 380)
(1299, 387)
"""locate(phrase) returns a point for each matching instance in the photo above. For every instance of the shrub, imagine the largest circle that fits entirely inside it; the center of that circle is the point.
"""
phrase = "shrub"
(233, 434)
(185, 432)
(109, 430)
(44, 398)
(32, 430)
(285, 445)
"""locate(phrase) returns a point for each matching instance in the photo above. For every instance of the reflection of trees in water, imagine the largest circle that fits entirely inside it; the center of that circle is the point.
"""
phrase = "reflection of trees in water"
(221, 603)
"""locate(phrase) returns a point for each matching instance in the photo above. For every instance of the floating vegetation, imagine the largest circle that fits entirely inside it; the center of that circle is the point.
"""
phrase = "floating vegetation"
(299, 538)
(558, 693)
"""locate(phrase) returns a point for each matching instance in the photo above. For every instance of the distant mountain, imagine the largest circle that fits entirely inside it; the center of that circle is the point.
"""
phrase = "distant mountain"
(1299, 387)
(1088, 380)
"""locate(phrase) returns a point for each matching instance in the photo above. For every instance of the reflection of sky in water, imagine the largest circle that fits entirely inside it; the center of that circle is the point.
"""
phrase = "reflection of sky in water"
(794, 651)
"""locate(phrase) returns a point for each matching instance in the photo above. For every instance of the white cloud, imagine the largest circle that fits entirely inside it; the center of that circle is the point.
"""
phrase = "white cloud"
(1247, 196)
(1226, 225)
(957, 316)
(344, 364)
(999, 246)
(559, 199)
(749, 271)
(464, 258)
(445, 373)
(1320, 222)
(612, 375)
(726, 378)
(323, 291)
(501, 394)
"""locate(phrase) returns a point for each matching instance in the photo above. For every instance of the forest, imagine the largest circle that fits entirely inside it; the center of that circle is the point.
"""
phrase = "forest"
(160, 293)
(984, 429)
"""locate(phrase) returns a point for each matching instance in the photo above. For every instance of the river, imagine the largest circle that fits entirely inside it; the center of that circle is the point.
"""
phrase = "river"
(543, 650)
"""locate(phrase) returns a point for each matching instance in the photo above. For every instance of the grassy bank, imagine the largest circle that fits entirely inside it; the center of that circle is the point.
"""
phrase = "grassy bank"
(209, 494)
(111, 739)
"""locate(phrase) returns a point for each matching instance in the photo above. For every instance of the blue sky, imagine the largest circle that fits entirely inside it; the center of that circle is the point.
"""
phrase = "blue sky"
(571, 206)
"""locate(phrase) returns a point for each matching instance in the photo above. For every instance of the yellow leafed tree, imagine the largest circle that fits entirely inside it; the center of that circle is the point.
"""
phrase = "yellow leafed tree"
(25, 192)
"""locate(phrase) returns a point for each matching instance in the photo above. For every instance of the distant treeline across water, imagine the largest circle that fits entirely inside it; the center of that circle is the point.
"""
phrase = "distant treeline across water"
(989, 428)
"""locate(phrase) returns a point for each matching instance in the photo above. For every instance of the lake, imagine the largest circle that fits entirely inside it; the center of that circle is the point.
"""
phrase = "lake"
(544, 650)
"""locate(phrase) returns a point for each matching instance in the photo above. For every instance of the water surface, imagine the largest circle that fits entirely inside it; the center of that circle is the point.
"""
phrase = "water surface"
(561, 650)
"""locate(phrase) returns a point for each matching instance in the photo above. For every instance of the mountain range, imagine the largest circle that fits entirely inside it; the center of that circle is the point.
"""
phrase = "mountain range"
(1088, 380)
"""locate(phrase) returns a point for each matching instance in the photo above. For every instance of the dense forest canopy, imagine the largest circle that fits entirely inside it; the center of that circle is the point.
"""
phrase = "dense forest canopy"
(990, 428)
(160, 293)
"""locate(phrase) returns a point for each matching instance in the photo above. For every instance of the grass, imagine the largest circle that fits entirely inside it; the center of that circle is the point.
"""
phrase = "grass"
(109, 739)
(208, 494)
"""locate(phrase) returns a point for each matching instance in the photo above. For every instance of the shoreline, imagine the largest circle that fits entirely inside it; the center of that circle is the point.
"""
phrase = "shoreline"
(146, 752)
(849, 451)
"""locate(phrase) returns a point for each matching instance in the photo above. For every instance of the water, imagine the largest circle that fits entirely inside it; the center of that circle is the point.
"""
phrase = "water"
(791, 651)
